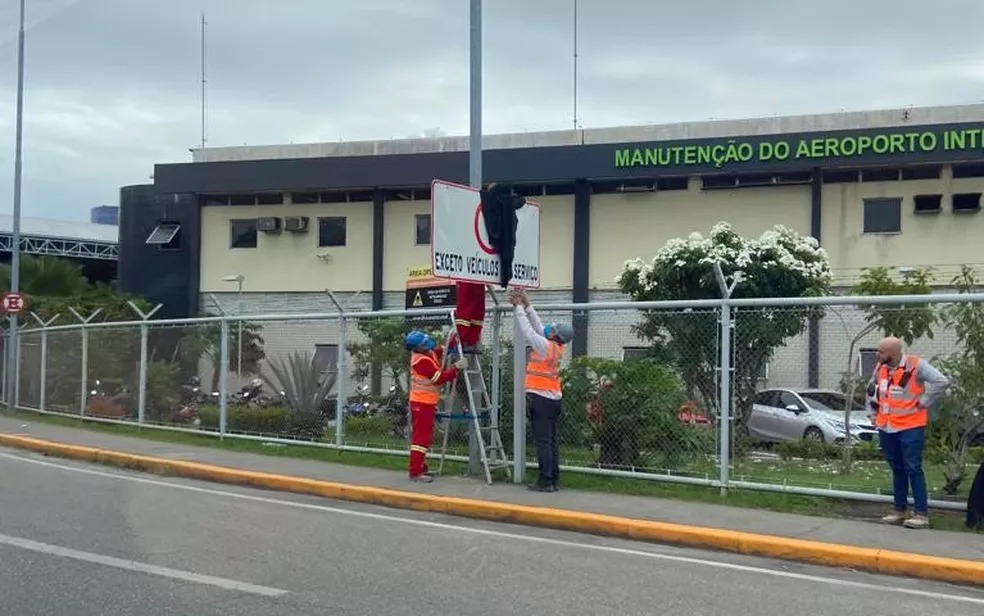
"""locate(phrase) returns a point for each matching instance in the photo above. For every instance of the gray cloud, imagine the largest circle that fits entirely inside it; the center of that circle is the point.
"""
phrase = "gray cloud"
(113, 85)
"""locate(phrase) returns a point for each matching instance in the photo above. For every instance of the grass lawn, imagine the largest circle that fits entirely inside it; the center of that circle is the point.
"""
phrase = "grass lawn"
(868, 475)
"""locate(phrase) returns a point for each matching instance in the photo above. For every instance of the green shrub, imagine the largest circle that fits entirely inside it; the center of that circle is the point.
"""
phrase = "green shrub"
(809, 449)
(367, 427)
(258, 420)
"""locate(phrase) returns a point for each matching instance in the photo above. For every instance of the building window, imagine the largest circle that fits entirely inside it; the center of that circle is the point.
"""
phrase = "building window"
(326, 357)
(630, 353)
(243, 233)
(422, 229)
(882, 215)
(331, 231)
(927, 204)
(867, 358)
(166, 236)
(967, 202)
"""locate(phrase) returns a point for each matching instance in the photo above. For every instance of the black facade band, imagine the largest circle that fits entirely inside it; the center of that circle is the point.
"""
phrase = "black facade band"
(581, 259)
(816, 230)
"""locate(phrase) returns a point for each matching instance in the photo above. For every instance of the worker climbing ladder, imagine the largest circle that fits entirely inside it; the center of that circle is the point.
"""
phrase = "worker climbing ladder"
(478, 409)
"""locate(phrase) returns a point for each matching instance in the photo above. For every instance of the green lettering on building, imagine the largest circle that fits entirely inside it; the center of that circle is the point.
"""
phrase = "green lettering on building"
(728, 152)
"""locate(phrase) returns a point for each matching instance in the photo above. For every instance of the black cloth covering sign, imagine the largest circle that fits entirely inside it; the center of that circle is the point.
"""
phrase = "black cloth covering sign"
(499, 208)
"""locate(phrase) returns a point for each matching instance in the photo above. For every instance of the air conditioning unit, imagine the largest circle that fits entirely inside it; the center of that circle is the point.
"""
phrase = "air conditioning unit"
(269, 224)
(296, 224)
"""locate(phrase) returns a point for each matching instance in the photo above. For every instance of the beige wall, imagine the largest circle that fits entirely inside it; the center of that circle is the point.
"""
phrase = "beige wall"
(399, 251)
(627, 226)
(944, 240)
(288, 261)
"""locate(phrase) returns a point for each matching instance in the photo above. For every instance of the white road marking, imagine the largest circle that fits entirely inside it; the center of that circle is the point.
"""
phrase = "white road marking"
(131, 565)
(504, 535)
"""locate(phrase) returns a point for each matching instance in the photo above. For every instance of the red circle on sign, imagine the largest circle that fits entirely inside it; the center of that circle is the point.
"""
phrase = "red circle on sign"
(478, 236)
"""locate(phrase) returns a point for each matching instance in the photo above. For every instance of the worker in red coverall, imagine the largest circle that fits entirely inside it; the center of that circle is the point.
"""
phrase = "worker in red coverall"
(427, 379)
(469, 316)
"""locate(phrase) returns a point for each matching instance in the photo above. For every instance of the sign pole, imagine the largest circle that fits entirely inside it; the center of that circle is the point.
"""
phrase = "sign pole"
(475, 166)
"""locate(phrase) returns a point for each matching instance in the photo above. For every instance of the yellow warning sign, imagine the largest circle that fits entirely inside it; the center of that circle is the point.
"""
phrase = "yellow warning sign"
(417, 300)
(419, 272)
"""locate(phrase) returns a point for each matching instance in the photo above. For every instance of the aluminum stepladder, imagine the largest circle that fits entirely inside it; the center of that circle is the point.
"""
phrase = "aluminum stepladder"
(479, 409)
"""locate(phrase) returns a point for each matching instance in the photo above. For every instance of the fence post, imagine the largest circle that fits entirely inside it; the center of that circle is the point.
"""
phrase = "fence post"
(519, 405)
(223, 376)
(42, 389)
(341, 378)
(144, 333)
(3, 383)
(725, 371)
(84, 398)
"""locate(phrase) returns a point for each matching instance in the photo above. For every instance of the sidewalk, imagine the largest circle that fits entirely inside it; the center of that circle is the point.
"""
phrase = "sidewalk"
(846, 532)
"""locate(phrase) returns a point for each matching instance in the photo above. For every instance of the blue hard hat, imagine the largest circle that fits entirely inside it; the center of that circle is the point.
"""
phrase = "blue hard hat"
(417, 339)
(561, 332)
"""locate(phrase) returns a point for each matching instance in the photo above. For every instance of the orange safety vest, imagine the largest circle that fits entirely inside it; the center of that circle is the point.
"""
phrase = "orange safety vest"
(543, 373)
(898, 397)
(423, 390)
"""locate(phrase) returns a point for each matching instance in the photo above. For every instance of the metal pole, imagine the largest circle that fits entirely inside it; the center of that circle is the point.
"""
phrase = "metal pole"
(239, 342)
(519, 405)
(224, 377)
(142, 396)
(725, 395)
(341, 382)
(85, 371)
(16, 230)
(475, 166)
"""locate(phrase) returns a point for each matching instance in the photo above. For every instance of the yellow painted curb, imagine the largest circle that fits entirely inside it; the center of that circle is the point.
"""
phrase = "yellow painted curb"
(815, 552)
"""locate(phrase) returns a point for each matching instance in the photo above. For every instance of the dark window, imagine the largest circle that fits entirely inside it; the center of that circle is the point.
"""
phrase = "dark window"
(422, 226)
(768, 397)
(331, 231)
(673, 183)
(840, 177)
(968, 171)
(922, 172)
(215, 200)
(631, 353)
(967, 202)
(243, 233)
(927, 204)
(242, 199)
(711, 182)
(883, 215)
(303, 197)
(788, 399)
(867, 358)
(270, 198)
(326, 357)
(880, 175)
(166, 235)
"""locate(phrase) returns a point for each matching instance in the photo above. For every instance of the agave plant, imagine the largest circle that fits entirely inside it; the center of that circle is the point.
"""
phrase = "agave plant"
(304, 388)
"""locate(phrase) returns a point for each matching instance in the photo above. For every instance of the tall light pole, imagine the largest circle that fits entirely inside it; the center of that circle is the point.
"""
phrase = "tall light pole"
(475, 161)
(14, 341)
(238, 278)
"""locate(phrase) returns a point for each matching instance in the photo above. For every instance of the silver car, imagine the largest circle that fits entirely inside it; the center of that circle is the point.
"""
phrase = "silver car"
(786, 414)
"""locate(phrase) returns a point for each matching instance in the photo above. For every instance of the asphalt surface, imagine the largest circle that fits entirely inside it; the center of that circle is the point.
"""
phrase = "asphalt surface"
(80, 539)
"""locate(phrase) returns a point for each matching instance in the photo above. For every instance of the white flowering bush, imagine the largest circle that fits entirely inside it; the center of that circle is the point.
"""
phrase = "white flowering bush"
(780, 263)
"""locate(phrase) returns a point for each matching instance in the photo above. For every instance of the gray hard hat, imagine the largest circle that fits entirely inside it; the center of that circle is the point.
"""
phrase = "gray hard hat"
(564, 332)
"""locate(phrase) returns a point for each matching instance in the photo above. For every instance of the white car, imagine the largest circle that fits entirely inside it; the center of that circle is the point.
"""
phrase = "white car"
(790, 414)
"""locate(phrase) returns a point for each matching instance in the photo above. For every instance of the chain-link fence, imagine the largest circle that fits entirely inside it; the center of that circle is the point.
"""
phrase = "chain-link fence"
(642, 387)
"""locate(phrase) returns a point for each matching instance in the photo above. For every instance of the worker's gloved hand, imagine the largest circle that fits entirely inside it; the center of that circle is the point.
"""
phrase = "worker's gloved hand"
(461, 364)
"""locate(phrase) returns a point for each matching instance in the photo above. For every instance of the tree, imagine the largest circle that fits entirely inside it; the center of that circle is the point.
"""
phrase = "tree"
(780, 263)
(204, 341)
(960, 416)
(384, 347)
(47, 276)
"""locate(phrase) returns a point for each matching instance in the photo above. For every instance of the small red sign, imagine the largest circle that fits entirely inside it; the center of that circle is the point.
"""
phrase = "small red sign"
(13, 302)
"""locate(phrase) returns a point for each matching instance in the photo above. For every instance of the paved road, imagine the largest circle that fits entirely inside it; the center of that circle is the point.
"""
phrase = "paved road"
(77, 540)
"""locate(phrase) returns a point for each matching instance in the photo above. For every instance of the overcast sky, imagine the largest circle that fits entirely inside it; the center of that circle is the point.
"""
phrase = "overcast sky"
(113, 86)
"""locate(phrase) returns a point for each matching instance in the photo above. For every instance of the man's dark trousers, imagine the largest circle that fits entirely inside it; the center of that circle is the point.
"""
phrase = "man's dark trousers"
(544, 415)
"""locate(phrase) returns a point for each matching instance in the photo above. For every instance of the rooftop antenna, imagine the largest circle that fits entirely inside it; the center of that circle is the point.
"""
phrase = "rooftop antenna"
(575, 64)
(203, 80)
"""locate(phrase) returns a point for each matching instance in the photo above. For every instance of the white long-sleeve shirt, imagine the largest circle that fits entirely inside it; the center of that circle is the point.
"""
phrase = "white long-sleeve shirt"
(532, 328)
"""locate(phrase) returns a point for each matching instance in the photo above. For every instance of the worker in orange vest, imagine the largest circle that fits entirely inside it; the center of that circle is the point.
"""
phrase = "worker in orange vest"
(427, 379)
(543, 387)
(902, 390)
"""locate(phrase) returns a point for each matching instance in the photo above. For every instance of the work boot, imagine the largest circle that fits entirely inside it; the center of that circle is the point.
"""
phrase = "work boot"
(917, 521)
(894, 518)
(422, 479)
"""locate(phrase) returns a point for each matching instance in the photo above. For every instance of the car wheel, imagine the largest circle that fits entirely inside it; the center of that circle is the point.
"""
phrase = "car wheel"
(813, 433)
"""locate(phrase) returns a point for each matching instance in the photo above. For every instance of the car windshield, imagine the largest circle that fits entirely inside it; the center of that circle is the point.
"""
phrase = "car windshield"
(828, 401)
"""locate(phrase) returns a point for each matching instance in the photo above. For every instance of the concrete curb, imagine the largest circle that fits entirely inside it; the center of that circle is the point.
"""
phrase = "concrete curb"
(814, 552)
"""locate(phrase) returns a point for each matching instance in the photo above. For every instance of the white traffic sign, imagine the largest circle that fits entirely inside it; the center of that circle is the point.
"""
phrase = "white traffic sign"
(460, 247)
(13, 302)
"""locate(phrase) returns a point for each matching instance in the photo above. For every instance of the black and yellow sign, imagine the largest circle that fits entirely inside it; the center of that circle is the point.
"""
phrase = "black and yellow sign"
(426, 291)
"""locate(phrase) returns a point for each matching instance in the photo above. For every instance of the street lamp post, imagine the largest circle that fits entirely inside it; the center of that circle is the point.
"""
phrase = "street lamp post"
(238, 279)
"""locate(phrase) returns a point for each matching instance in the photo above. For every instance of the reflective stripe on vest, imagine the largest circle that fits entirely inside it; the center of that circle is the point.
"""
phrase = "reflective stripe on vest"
(898, 401)
(423, 390)
(543, 373)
